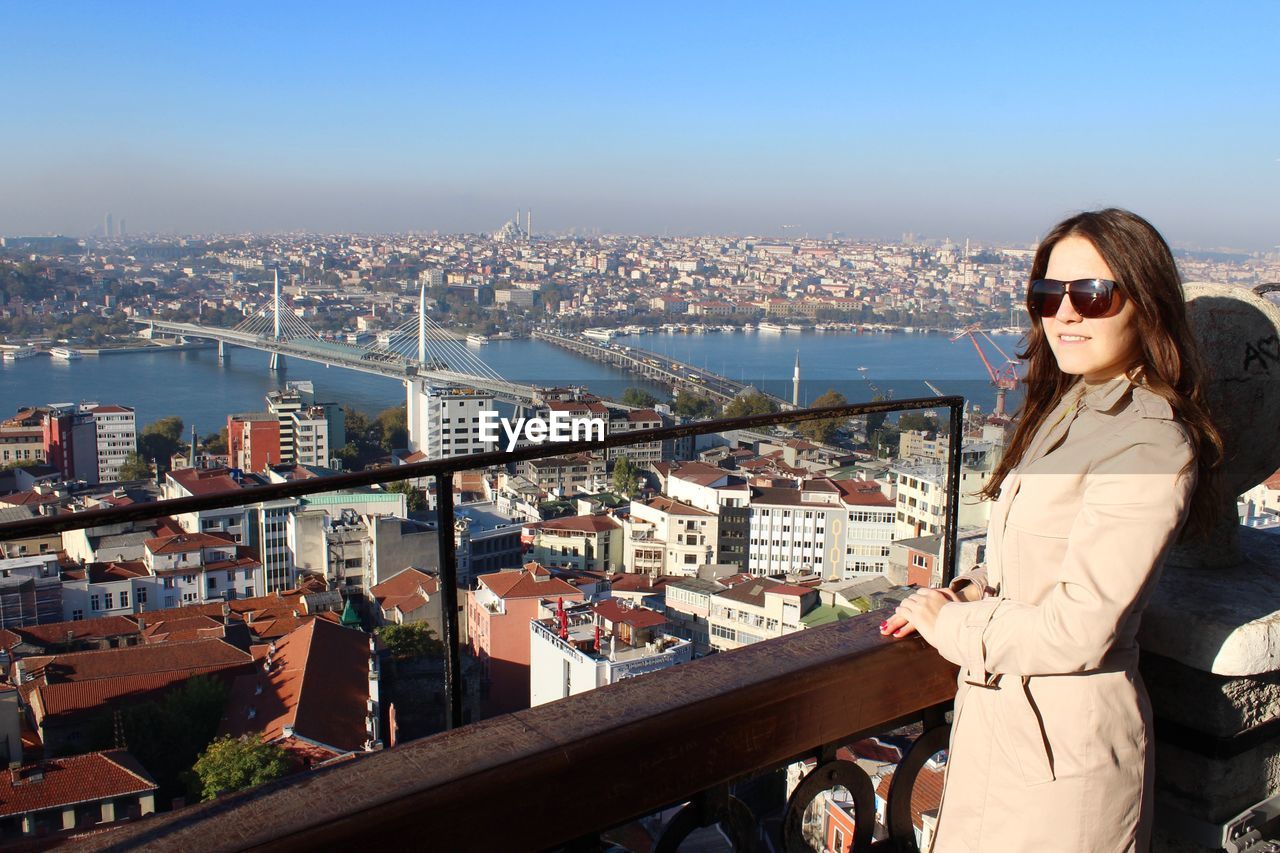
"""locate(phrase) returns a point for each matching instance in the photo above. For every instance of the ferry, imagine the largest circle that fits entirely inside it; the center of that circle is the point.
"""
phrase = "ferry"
(19, 352)
(604, 335)
(771, 328)
(794, 328)
(477, 340)
(65, 353)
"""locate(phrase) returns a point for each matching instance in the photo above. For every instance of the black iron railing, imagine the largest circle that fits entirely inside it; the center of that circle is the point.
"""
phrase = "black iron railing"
(444, 471)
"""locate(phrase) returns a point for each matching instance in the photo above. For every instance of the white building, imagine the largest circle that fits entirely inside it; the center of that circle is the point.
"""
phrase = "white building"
(117, 438)
(586, 646)
(668, 537)
(310, 435)
(757, 610)
(921, 500)
(445, 421)
(196, 568)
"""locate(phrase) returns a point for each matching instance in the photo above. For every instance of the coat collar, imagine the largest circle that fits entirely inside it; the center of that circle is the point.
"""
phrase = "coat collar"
(1103, 396)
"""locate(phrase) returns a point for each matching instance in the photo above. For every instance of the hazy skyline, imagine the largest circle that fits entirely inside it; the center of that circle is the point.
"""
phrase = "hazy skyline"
(694, 118)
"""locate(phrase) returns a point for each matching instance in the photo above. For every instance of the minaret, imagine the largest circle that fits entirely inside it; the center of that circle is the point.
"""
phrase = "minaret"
(528, 224)
(795, 383)
(192, 459)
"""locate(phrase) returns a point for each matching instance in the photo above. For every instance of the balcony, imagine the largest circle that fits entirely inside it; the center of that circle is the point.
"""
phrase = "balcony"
(701, 738)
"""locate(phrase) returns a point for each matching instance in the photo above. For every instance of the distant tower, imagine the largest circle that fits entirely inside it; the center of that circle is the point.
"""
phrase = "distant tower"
(795, 383)
(966, 249)
(528, 223)
(123, 232)
(192, 459)
(106, 226)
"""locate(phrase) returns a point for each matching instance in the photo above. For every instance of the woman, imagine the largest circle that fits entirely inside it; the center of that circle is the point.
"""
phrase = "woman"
(1114, 451)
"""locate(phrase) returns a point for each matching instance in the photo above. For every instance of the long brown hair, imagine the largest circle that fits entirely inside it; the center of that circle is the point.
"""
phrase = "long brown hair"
(1170, 360)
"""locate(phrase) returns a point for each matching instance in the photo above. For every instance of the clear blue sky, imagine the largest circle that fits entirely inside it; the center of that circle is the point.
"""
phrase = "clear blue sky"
(982, 120)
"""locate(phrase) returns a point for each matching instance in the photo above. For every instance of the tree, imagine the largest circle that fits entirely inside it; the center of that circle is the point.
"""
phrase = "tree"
(875, 421)
(415, 501)
(410, 641)
(639, 398)
(393, 427)
(161, 439)
(918, 421)
(690, 405)
(626, 478)
(215, 442)
(751, 403)
(135, 467)
(823, 431)
(232, 764)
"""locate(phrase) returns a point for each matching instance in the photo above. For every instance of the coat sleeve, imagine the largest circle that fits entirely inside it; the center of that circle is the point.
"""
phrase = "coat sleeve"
(1134, 503)
(976, 576)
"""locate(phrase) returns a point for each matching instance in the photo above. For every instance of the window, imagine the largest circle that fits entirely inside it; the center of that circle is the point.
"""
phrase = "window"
(168, 584)
(109, 599)
(141, 597)
(213, 582)
(919, 561)
(77, 615)
(188, 597)
(124, 598)
(94, 601)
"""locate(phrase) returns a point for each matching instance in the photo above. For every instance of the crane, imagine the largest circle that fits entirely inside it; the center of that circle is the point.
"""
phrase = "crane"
(934, 389)
(1004, 378)
(874, 387)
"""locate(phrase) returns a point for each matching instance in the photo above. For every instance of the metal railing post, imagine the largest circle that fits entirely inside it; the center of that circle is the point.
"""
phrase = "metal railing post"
(449, 600)
(950, 545)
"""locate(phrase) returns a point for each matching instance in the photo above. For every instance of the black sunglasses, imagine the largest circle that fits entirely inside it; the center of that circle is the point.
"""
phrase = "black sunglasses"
(1091, 297)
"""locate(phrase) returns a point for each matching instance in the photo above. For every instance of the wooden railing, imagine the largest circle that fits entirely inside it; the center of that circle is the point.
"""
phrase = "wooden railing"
(562, 773)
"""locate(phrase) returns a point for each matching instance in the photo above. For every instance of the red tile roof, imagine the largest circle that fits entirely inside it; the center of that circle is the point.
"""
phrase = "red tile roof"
(926, 795)
(183, 542)
(80, 680)
(527, 583)
(862, 493)
(204, 481)
(317, 686)
(674, 507)
(116, 570)
(639, 617)
(75, 779)
(53, 633)
(579, 523)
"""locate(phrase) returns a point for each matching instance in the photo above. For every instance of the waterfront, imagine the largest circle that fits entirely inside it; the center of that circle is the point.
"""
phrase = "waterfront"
(194, 385)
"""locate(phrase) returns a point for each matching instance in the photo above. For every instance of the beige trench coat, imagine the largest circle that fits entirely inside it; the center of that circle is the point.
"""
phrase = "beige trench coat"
(1049, 746)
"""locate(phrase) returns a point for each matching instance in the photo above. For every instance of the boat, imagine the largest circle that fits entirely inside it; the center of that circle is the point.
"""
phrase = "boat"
(771, 328)
(599, 334)
(17, 353)
(794, 328)
(65, 353)
(477, 340)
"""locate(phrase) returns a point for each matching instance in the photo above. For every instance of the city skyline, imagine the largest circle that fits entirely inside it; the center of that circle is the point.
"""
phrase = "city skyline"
(990, 125)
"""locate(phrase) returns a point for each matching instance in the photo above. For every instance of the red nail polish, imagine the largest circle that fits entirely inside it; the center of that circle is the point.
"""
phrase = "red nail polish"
(884, 624)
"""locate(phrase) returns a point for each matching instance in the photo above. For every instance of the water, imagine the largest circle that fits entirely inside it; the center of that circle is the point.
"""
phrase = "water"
(194, 385)
(896, 363)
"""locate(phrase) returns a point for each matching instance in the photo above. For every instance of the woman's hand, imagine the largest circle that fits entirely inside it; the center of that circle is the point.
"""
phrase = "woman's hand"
(917, 613)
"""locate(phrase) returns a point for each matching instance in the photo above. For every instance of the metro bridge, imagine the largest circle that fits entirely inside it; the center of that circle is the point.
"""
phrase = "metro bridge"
(417, 352)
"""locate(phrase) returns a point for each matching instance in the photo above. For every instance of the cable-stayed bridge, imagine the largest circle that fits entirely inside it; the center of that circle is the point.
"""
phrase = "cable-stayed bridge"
(419, 350)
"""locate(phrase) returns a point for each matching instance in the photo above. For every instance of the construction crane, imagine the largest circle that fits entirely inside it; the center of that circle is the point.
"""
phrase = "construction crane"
(934, 388)
(1004, 378)
(874, 387)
